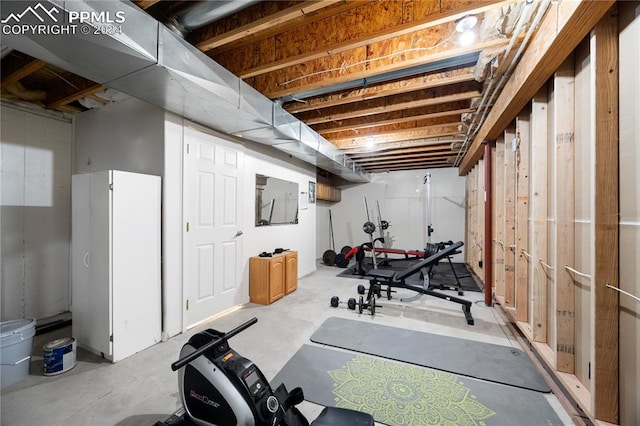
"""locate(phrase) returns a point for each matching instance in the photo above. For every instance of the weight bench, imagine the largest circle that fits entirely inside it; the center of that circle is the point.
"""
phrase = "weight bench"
(394, 279)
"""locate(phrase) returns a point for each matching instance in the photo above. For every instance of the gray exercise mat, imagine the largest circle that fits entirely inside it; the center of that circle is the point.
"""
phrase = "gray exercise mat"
(400, 394)
(496, 363)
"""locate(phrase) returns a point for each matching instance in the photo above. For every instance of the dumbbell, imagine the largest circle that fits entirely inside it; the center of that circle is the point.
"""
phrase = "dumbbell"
(376, 290)
(351, 303)
(369, 305)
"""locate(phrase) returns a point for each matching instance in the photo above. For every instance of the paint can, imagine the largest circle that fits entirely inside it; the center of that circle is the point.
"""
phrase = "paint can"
(59, 356)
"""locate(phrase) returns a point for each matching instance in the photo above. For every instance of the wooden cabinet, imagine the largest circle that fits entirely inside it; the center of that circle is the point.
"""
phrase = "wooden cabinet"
(326, 192)
(270, 278)
(291, 272)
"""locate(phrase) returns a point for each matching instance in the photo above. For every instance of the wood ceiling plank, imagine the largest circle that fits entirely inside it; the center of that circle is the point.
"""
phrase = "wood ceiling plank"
(371, 23)
(425, 165)
(407, 101)
(417, 133)
(22, 72)
(426, 81)
(405, 159)
(357, 64)
(247, 16)
(563, 27)
(296, 11)
(145, 4)
(399, 144)
(379, 128)
(404, 151)
(359, 123)
(76, 87)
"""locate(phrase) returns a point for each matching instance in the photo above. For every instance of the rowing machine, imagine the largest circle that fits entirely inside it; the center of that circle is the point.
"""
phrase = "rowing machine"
(220, 387)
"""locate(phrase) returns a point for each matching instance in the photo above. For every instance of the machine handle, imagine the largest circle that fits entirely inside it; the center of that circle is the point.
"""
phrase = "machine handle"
(195, 354)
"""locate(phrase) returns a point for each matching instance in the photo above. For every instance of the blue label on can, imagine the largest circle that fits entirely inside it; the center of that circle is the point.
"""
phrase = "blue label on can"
(59, 356)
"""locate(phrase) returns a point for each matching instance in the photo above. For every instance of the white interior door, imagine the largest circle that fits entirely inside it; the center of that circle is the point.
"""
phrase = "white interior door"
(212, 234)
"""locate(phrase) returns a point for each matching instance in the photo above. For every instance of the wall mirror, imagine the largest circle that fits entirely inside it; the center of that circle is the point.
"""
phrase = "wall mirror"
(276, 201)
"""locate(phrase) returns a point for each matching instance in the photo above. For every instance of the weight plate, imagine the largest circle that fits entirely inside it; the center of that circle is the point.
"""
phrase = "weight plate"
(361, 289)
(329, 257)
(360, 304)
(335, 301)
(340, 261)
(351, 303)
(369, 228)
(345, 249)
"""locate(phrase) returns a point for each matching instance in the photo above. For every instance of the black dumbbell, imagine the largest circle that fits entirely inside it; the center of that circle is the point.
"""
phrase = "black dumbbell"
(369, 305)
(351, 303)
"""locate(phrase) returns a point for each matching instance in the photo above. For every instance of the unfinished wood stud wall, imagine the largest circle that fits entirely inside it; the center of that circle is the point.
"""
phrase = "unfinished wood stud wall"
(556, 224)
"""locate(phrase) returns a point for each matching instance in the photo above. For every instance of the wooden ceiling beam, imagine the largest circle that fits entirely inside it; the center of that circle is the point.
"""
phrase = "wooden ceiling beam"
(369, 24)
(255, 27)
(425, 165)
(262, 11)
(425, 81)
(22, 72)
(77, 87)
(564, 26)
(405, 151)
(358, 64)
(357, 124)
(406, 101)
(395, 158)
(144, 4)
(397, 136)
(400, 144)
(378, 129)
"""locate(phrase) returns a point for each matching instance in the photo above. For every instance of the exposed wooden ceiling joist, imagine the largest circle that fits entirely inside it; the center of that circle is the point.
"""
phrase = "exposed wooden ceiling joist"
(355, 65)
(367, 25)
(13, 76)
(399, 136)
(73, 88)
(426, 81)
(265, 23)
(421, 98)
(396, 117)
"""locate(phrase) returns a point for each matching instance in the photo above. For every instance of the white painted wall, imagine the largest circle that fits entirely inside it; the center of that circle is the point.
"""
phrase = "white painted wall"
(300, 237)
(402, 199)
(127, 136)
(35, 213)
(138, 137)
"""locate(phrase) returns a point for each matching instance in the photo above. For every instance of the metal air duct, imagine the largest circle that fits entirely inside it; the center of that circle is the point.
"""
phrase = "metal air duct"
(146, 60)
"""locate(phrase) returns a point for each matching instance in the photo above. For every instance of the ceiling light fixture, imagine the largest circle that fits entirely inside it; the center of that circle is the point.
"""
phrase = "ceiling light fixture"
(466, 23)
(370, 143)
(467, 38)
(464, 26)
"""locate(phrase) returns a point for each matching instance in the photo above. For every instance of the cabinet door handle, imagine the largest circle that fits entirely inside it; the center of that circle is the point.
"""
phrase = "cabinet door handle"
(85, 259)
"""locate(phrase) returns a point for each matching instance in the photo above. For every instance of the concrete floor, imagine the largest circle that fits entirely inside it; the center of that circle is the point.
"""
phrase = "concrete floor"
(142, 388)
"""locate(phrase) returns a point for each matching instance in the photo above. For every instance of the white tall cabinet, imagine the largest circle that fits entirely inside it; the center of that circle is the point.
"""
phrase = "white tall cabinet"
(115, 278)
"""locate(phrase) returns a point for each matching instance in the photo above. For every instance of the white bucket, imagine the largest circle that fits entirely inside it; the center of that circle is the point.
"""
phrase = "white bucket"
(16, 342)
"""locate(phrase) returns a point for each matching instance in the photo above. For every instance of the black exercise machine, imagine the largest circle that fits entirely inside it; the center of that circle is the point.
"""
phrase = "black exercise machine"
(219, 387)
(393, 279)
